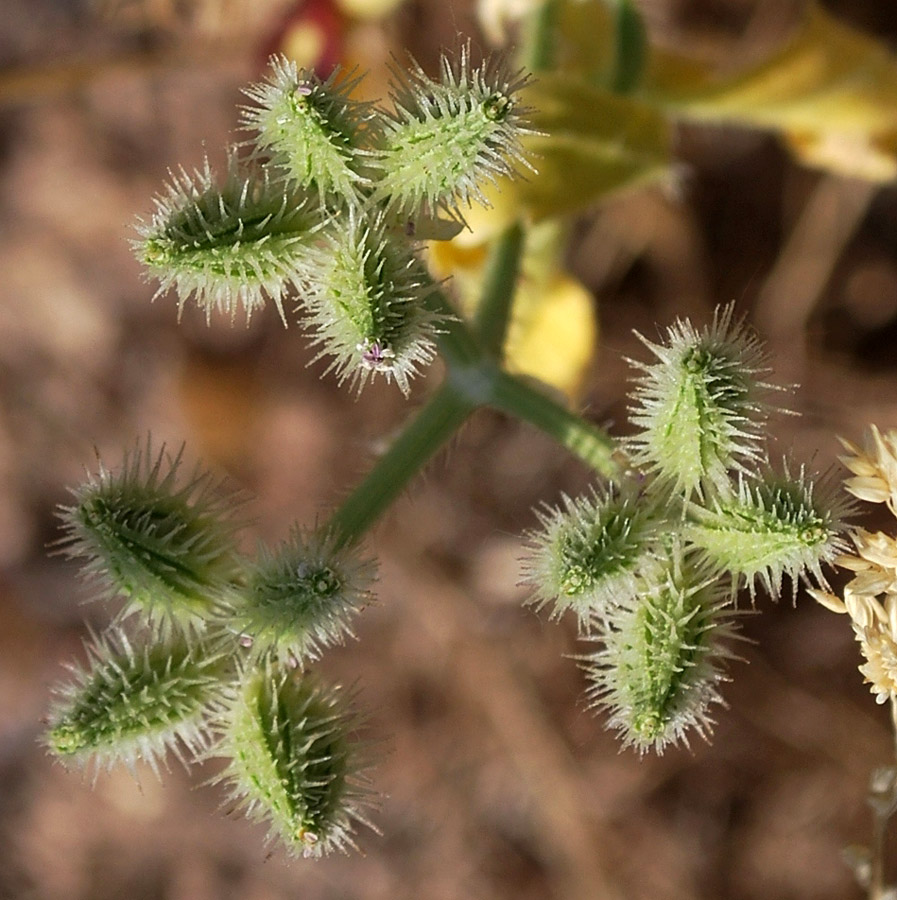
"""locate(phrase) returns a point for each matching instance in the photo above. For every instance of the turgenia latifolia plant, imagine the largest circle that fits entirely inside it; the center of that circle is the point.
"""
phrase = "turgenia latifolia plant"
(324, 214)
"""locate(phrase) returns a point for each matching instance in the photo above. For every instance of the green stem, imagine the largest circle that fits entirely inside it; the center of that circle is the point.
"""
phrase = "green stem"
(539, 38)
(630, 48)
(466, 388)
(456, 341)
(586, 441)
(894, 724)
(431, 427)
(499, 285)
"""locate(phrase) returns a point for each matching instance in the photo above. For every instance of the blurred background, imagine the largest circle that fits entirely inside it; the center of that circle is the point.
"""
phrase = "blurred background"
(497, 782)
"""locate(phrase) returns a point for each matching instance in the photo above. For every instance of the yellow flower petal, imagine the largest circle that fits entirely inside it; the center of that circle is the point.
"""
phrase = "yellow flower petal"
(304, 43)
(553, 334)
(368, 9)
(496, 16)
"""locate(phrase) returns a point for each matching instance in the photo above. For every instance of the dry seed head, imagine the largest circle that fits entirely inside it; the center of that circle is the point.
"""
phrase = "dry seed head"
(874, 624)
(879, 648)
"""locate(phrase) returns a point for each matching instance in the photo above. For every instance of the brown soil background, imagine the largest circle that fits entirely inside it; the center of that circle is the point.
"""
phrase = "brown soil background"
(497, 782)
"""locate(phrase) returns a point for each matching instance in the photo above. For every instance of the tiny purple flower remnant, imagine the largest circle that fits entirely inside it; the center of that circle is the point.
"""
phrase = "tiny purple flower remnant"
(303, 89)
(373, 354)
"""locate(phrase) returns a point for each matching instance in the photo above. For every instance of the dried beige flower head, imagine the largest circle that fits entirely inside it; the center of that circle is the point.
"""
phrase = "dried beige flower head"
(880, 670)
(875, 563)
(875, 627)
(870, 597)
(875, 468)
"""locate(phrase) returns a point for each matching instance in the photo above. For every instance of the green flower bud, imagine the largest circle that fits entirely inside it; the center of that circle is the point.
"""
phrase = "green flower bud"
(366, 304)
(167, 548)
(661, 662)
(772, 528)
(592, 553)
(300, 600)
(136, 703)
(445, 138)
(293, 761)
(311, 127)
(227, 246)
(698, 406)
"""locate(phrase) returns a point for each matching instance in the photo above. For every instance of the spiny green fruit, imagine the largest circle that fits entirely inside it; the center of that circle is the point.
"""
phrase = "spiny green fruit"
(168, 548)
(293, 760)
(661, 662)
(134, 703)
(300, 600)
(447, 137)
(312, 128)
(366, 304)
(592, 553)
(699, 406)
(230, 245)
(771, 528)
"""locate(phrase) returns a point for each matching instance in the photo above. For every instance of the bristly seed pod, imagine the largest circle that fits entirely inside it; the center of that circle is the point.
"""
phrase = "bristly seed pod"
(771, 528)
(447, 137)
(294, 762)
(699, 406)
(659, 669)
(312, 127)
(136, 703)
(301, 599)
(227, 246)
(366, 304)
(167, 548)
(593, 553)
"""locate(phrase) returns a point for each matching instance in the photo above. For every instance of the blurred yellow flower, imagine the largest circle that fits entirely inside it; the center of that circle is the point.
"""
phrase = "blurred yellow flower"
(553, 330)
(829, 91)
(589, 143)
(368, 9)
(304, 43)
(553, 333)
(496, 16)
